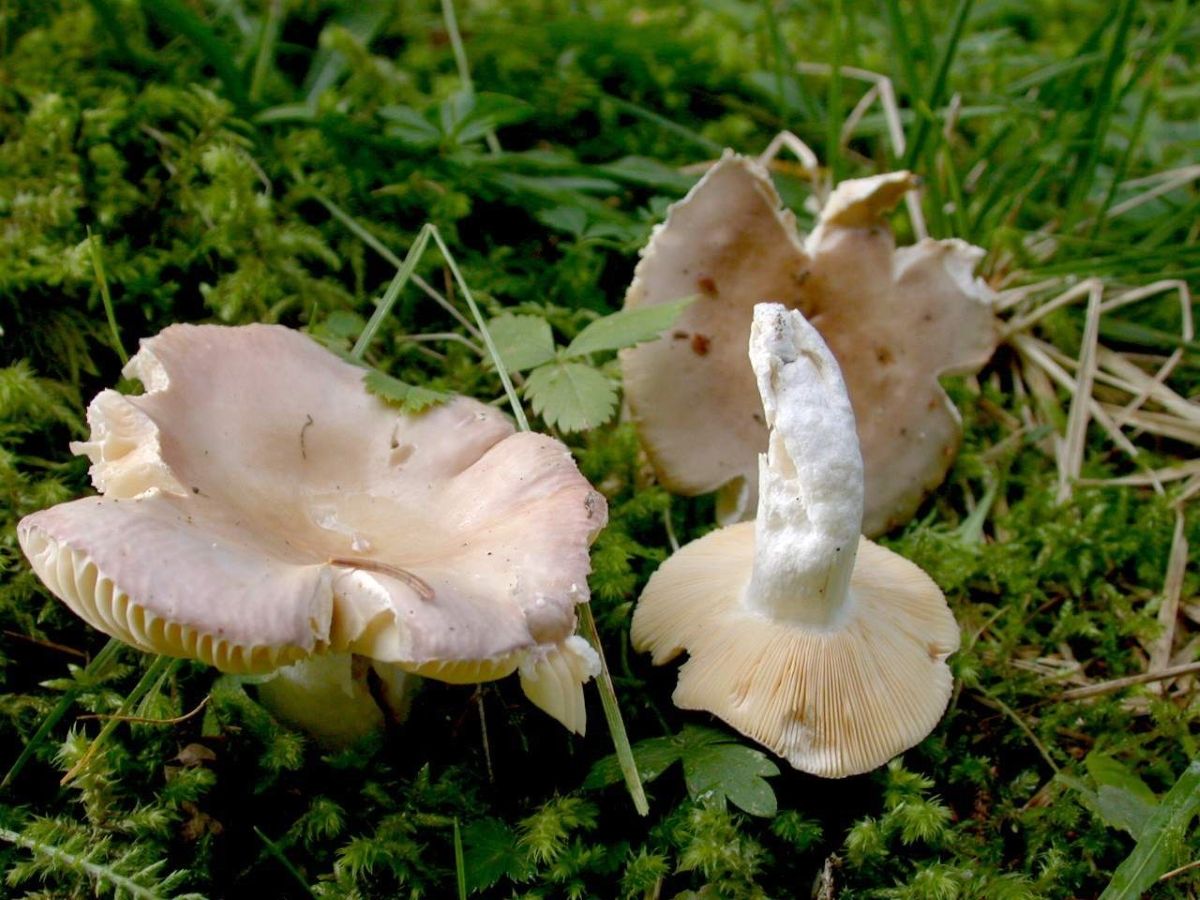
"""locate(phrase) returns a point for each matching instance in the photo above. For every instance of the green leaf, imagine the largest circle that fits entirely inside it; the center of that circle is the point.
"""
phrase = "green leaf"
(733, 771)
(626, 328)
(410, 126)
(570, 219)
(524, 342)
(409, 397)
(491, 852)
(1122, 800)
(652, 756)
(1161, 839)
(571, 396)
(714, 765)
(650, 173)
(484, 112)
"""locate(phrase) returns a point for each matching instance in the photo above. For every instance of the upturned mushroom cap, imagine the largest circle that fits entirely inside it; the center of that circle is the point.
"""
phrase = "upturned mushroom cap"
(259, 506)
(896, 319)
(825, 647)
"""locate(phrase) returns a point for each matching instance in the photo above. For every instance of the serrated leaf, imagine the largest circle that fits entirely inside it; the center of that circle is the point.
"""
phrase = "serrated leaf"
(490, 852)
(523, 341)
(571, 396)
(714, 764)
(409, 397)
(626, 328)
(732, 771)
(1154, 854)
(652, 757)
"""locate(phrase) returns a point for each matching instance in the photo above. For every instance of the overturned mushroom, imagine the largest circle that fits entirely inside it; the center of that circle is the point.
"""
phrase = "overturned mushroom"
(821, 645)
(896, 319)
(258, 507)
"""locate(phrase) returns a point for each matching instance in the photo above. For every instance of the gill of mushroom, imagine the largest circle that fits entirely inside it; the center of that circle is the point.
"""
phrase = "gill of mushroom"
(812, 640)
(262, 512)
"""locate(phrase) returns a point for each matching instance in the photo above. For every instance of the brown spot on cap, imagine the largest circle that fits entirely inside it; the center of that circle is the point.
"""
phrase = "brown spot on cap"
(700, 344)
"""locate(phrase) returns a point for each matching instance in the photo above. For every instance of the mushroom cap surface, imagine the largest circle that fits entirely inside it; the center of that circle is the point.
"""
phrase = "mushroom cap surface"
(259, 506)
(895, 319)
(833, 701)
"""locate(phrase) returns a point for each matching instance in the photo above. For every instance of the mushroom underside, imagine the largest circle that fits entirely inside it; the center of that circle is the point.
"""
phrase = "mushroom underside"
(834, 701)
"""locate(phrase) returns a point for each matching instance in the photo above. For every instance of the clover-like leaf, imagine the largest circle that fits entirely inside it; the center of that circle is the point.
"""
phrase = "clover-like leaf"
(409, 397)
(490, 852)
(522, 341)
(652, 757)
(571, 396)
(715, 764)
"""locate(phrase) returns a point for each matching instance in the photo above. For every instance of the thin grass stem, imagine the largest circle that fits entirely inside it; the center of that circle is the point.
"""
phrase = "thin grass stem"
(158, 668)
(97, 255)
(92, 671)
(276, 853)
(612, 713)
(401, 278)
(464, 67)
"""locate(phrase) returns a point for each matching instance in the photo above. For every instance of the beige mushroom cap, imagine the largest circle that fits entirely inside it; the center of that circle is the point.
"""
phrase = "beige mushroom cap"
(259, 506)
(896, 319)
(832, 702)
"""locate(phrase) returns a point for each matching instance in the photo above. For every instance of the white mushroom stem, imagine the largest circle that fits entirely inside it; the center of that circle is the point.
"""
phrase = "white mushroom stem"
(810, 479)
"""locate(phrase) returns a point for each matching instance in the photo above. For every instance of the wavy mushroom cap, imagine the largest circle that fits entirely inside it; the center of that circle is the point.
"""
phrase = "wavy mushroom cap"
(833, 701)
(895, 319)
(259, 505)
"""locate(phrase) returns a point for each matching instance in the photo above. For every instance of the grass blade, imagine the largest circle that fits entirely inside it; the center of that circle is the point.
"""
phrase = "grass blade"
(149, 678)
(268, 38)
(460, 864)
(1099, 120)
(105, 297)
(903, 47)
(937, 89)
(403, 274)
(94, 670)
(664, 123)
(176, 17)
(612, 713)
(833, 112)
(464, 67)
(280, 857)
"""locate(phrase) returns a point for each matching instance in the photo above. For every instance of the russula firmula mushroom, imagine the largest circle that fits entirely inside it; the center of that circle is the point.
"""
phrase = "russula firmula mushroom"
(896, 319)
(817, 643)
(259, 507)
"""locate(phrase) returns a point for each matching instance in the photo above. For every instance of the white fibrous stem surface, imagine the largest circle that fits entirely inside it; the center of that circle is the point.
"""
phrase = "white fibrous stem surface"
(811, 477)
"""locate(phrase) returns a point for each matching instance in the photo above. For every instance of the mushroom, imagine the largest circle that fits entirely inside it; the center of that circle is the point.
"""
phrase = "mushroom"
(896, 319)
(260, 508)
(817, 643)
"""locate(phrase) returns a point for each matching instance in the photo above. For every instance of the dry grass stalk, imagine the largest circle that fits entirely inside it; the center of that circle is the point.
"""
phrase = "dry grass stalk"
(1168, 613)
